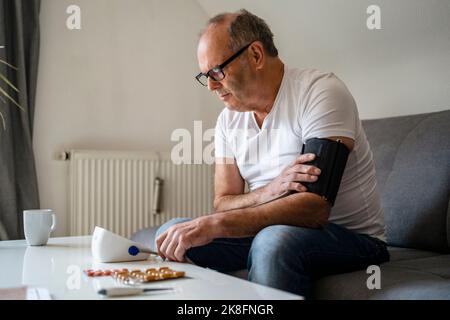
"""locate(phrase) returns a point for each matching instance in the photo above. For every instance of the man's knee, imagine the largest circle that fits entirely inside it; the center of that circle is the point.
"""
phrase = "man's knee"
(267, 242)
(279, 241)
(280, 247)
(277, 258)
(168, 224)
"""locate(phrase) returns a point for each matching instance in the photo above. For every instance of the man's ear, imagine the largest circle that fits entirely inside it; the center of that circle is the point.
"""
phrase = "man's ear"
(257, 55)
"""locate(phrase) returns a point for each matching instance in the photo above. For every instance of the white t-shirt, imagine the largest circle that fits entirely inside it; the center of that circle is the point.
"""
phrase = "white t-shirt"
(309, 104)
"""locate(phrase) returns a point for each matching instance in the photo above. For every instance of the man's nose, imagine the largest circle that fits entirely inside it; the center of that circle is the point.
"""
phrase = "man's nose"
(213, 85)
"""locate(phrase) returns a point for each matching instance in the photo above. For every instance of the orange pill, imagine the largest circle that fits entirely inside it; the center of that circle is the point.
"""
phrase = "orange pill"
(98, 273)
(107, 272)
(179, 274)
(150, 278)
(90, 273)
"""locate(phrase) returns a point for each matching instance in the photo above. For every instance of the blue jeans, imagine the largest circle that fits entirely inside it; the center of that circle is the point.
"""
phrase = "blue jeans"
(290, 258)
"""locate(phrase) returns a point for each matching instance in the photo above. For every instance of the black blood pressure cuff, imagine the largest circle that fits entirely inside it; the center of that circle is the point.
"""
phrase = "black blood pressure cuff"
(331, 158)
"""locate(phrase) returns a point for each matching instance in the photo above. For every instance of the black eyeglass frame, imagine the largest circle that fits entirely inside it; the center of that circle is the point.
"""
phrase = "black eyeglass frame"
(220, 67)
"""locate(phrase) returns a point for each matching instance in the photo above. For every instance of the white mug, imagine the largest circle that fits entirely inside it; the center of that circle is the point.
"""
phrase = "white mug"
(37, 225)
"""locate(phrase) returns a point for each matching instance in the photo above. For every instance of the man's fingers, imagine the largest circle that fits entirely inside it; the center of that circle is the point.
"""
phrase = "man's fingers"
(305, 169)
(295, 186)
(305, 158)
(171, 246)
(180, 252)
(159, 241)
(298, 177)
(165, 244)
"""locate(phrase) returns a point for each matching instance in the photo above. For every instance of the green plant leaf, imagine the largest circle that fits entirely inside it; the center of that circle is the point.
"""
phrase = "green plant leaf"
(5, 94)
(8, 82)
(9, 65)
(3, 121)
(11, 99)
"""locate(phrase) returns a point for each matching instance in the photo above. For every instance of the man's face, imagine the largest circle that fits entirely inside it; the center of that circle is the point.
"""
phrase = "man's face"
(233, 90)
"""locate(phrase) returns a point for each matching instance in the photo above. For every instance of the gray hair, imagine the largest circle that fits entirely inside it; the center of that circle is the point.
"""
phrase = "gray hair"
(245, 28)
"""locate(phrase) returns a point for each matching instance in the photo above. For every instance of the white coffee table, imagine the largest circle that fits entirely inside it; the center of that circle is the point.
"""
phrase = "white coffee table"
(59, 268)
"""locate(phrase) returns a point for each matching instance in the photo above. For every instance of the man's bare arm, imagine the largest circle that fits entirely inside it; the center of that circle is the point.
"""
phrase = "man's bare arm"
(229, 185)
(300, 209)
(229, 188)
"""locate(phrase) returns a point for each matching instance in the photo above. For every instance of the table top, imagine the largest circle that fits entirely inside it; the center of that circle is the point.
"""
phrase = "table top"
(59, 266)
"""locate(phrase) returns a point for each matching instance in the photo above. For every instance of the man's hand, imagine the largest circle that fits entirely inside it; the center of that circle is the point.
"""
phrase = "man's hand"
(174, 243)
(290, 178)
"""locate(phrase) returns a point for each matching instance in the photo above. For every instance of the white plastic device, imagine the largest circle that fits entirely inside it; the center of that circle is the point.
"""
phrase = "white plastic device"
(107, 247)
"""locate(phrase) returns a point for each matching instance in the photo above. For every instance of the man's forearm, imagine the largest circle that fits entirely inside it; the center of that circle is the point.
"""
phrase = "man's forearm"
(300, 209)
(239, 201)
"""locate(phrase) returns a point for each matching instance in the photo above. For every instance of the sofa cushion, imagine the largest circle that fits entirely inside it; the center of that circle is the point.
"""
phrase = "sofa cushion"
(399, 280)
(412, 162)
(400, 254)
(436, 265)
(403, 257)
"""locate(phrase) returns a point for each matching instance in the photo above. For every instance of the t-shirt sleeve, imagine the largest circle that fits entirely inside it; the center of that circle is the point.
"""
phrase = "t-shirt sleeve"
(328, 110)
(222, 148)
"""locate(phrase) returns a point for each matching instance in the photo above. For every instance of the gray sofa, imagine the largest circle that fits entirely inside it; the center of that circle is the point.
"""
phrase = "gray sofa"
(412, 159)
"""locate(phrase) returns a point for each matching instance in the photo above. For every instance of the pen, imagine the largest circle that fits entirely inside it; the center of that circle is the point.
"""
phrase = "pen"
(120, 292)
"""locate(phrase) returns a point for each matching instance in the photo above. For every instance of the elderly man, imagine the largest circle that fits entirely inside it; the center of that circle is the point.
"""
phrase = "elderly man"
(285, 235)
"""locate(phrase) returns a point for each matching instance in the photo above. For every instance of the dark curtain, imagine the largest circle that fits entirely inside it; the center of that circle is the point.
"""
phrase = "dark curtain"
(19, 34)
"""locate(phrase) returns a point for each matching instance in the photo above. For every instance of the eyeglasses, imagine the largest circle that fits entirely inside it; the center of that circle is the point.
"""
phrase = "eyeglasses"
(216, 73)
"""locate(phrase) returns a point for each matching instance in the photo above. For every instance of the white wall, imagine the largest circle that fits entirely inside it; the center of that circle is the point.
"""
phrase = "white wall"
(404, 68)
(124, 81)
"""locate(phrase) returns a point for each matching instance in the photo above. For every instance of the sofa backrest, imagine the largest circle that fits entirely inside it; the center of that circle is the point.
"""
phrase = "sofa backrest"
(412, 162)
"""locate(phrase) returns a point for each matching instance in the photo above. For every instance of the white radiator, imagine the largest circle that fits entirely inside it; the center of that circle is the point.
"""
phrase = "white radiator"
(116, 190)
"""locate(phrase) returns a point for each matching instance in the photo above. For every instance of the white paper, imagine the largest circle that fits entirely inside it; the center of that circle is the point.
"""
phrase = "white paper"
(38, 294)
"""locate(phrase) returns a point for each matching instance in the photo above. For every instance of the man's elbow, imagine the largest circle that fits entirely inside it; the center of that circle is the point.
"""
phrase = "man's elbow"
(217, 204)
(323, 214)
(316, 210)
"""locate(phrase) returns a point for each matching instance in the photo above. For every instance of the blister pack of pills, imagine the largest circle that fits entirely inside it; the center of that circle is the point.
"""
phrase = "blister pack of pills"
(137, 275)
